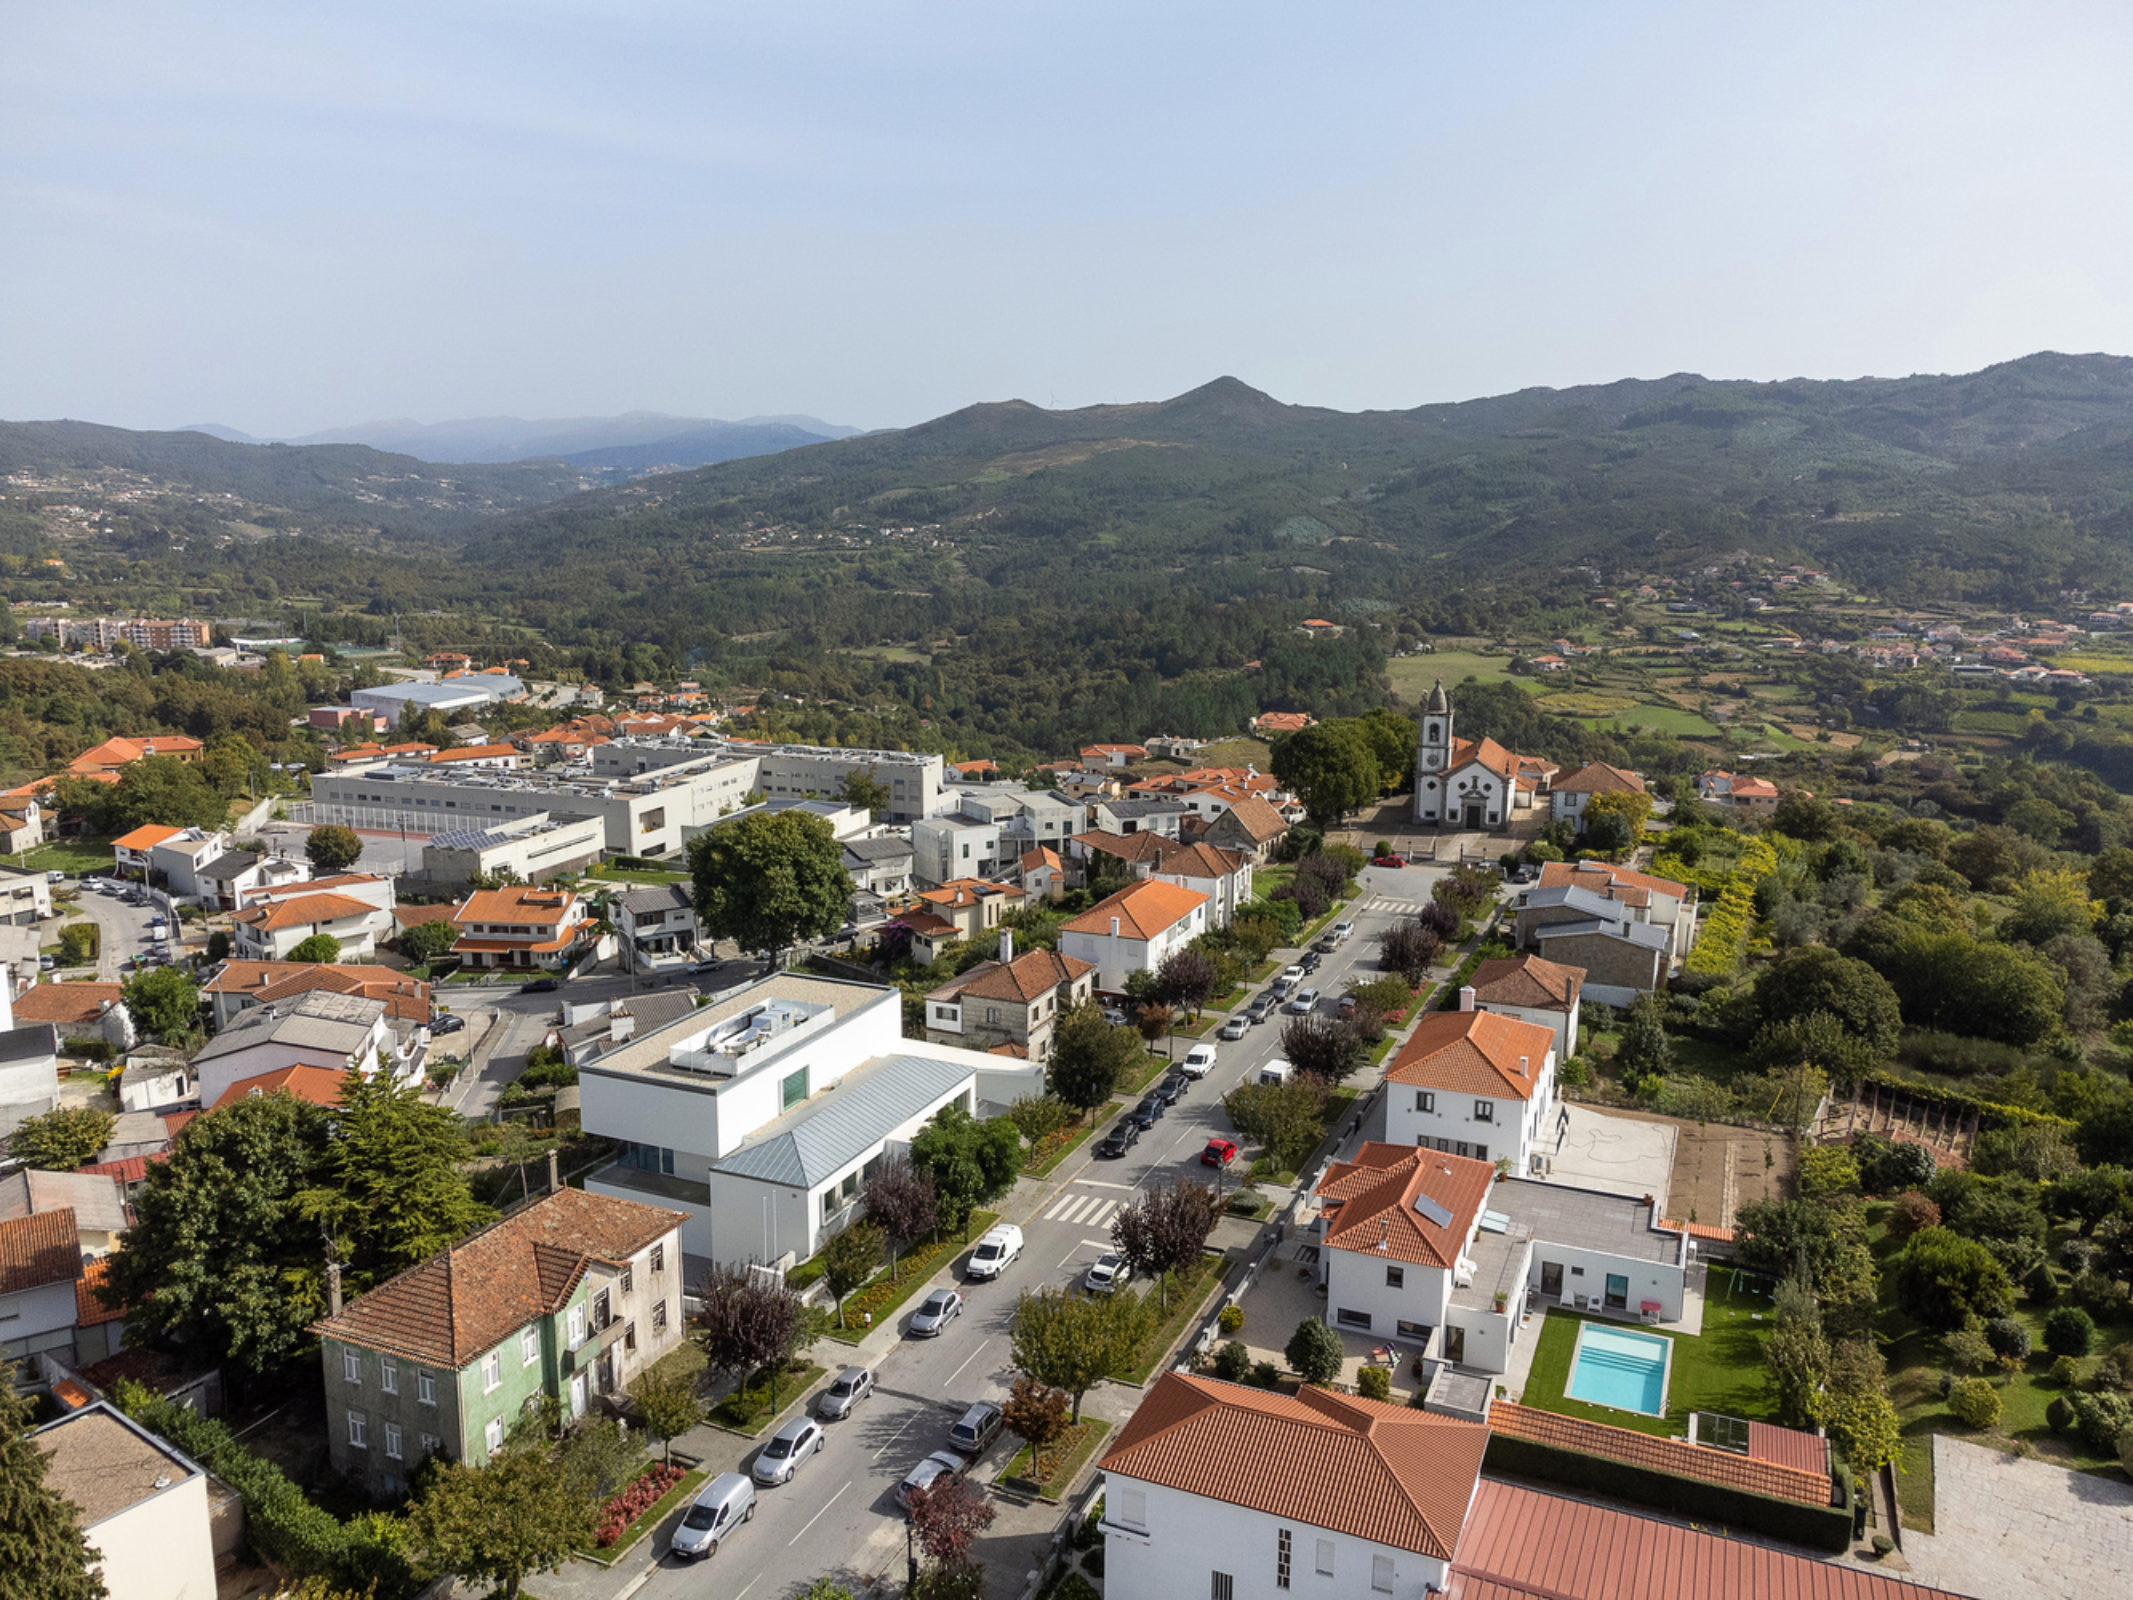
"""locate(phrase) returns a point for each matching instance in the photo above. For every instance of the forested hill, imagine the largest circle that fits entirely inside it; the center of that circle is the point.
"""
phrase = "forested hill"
(327, 488)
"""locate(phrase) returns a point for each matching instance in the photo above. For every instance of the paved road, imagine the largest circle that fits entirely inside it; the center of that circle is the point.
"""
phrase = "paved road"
(123, 928)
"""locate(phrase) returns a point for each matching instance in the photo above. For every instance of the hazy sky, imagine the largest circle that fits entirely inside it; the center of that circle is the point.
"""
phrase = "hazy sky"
(284, 217)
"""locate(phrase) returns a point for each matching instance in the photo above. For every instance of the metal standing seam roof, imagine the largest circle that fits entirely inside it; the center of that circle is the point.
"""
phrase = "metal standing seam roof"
(816, 1140)
(1650, 936)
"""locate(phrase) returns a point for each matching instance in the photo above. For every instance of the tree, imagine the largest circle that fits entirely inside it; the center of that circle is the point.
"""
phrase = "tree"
(1409, 949)
(1074, 1341)
(947, 1516)
(331, 848)
(77, 944)
(1608, 832)
(1314, 1352)
(219, 1261)
(1330, 768)
(1036, 1411)
(1632, 807)
(319, 947)
(427, 941)
(1089, 1057)
(902, 1200)
(1324, 1048)
(850, 1258)
(164, 1002)
(863, 788)
(1153, 1021)
(161, 789)
(749, 1324)
(1287, 1119)
(2050, 904)
(667, 1405)
(1817, 979)
(1856, 1410)
(1802, 816)
(1166, 1230)
(1187, 978)
(1798, 1354)
(1942, 1278)
(1644, 1049)
(44, 1555)
(60, 1141)
(494, 1524)
(2069, 1331)
(392, 1189)
(770, 879)
(1824, 1242)
(969, 1162)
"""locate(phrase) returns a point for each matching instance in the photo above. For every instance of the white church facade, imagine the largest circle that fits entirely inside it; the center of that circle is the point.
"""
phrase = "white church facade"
(1469, 783)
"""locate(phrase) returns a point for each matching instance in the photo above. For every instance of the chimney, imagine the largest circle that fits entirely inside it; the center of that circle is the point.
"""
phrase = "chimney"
(1525, 1066)
(1114, 927)
(1466, 998)
(554, 1182)
(333, 1288)
(1007, 947)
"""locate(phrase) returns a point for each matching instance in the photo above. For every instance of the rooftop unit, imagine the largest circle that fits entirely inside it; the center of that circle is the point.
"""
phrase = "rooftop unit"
(727, 1048)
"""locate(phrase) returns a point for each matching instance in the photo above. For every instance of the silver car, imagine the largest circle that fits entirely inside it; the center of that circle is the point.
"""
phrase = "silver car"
(853, 1385)
(726, 1502)
(941, 1307)
(927, 1473)
(1109, 1273)
(788, 1447)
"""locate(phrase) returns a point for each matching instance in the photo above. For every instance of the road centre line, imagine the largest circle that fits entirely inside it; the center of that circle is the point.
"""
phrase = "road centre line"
(817, 1517)
(898, 1434)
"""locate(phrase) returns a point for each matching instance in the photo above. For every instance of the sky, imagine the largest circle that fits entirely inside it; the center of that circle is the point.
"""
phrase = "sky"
(287, 218)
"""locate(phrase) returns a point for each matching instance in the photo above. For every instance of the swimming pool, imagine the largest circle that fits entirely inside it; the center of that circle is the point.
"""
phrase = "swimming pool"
(1615, 1367)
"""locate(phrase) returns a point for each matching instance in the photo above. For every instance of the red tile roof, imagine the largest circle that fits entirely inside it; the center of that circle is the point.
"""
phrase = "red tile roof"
(1600, 876)
(1130, 847)
(124, 752)
(90, 1308)
(1788, 1447)
(268, 981)
(63, 1003)
(301, 911)
(1199, 861)
(146, 836)
(1370, 1202)
(1598, 777)
(1031, 975)
(1807, 1487)
(1258, 819)
(1390, 1474)
(1527, 980)
(1527, 1544)
(464, 1301)
(475, 752)
(38, 1249)
(1696, 1230)
(1473, 1052)
(1143, 910)
(520, 904)
(321, 1086)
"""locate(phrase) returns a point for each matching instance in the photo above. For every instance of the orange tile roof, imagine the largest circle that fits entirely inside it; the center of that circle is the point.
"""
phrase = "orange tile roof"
(1113, 749)
(1032, 974)
(1132, 847)
(321, 1086)
(1473, 1052)
(1258, 819)
(300, 911)
(463, 1302)
(519, 903)
(38, 1249)
(1597, 777)
(1788, 1447)
(1143, 910)
(1199, 861)
(926, 925)
(1527, 980)
(124, 752)
(1582, 875)
(1282, 722)
(145, 837)
(1390, 1474)
(1675, 1456)
(90, 1308)
(1043, 858)
(366, 752)
(63, 1003)
(958, 893)
(282, 891)
(475, 752)
(72, 1394)
(1696, 1230)
(1375, 1198)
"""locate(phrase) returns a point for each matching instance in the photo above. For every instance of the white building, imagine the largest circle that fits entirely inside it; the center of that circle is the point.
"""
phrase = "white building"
(655, 924)
(319, 1029)
(355, 909)
(1475, 1083)
(1468, 783)
(143, 1506)
(1142, 925)
(25, 897)
(183, 858)
(29, 1062)
(467, 692)
(761, 1117)
(1243, 1494)
(535, 848)
(1533, 990)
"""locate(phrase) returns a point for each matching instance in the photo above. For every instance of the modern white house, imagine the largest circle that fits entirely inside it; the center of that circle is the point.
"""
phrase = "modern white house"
(1533, 990)
(184, 857)
(142, 1504)
(655, 925)
(1234, 1493)
(1142, 925)
(1474, 1083)
(353, 908)
(760, 1118)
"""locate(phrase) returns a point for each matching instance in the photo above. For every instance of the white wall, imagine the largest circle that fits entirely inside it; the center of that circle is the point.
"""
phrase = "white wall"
(1563, 1024)
(1648, 1280)
(1191, 1537)
(1355, 1281)
(1514, 1126)
(37, 1319)
(28, 1088)
(161, 1548)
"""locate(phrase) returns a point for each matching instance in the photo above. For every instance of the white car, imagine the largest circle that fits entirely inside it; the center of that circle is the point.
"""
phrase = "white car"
(1291, 977)
(996, 1251)
(1110, 1272)
(1199, 1061)
(1306, 1001)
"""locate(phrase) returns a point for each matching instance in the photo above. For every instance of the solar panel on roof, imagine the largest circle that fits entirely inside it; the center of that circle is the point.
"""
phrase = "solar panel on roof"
(1432, 1212)
(1495, 1222)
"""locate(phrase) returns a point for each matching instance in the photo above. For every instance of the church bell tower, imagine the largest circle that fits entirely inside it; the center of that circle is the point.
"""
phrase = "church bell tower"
(1433, 754)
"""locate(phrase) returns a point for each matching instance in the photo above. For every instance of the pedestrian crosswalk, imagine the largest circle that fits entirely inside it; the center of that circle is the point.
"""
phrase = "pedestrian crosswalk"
(1083, 1210)
(1405, 908)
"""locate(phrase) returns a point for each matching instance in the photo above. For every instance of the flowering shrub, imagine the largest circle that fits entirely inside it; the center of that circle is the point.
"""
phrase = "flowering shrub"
(632, 1503)
(1050, 1145)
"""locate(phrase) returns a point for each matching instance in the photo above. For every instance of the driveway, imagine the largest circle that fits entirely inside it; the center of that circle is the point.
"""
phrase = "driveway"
(123, 929)
(2026, 1530)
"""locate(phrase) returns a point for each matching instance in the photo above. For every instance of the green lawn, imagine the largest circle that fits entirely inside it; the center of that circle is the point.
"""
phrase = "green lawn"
(79, 857)
(1411, 676)
(1067, 1147)
(605, 874)
(1667, 719)
(749, 1411)
(1720, 1370)
(1057, 1466)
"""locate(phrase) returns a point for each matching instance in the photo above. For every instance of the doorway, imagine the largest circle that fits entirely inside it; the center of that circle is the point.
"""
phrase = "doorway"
(1617, 1292)
(1455, 1344)
(1473, 814)
(1552, 1280)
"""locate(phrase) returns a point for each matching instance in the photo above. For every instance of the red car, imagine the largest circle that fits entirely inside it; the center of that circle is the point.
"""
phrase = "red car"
(1219, 1153)
(1387, 861)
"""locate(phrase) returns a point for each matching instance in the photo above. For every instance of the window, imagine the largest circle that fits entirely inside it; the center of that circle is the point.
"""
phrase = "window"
(1130, 1509)
(577, 1326)
(358, 1428)
(1381, 1574)
(1353, 1319)
(603, 1310)
(492, 1371)
(389, 1376)
(629, 1336)
(493, 1435)
(1425, 1101)
(793, 1090)
(426, 1388)
(1484, 1111)
(352, 1366)
(1221, 1586)
(1282, 1552)
(1395, 1277)
(1325, 1558)
(629, 1279)
(392, 1441)
(1417, 1331)
(659, 1317)
(430, 1442)
(529, 1346)
(659, 1258)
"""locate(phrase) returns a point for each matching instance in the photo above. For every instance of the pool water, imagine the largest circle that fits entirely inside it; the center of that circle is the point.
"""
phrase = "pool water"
(1615, 1367)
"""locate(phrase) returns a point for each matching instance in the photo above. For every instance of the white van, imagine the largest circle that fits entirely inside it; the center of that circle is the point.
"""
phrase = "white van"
(1199, 1061)
(1276, 1071)
(995, 1251)
(726, 1502)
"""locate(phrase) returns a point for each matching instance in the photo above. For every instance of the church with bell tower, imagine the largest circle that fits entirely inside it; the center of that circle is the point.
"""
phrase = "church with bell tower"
(1468, 783)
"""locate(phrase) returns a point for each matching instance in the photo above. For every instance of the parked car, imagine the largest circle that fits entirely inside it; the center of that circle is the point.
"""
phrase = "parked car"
(853, 1385)
(1110, 1272)
(1116, 1017)
(1341, 930)
(703, 969)
(792, 1444)
(1326, 945)
(1304, 1002)
(722, 1505)
(996, 1251)
(1119, 1140)
(1276, 1071)
(941, 1307)
(1347, 1007)
(926, 1474)
(1148, 1113)
(47, 963)
(977, 1428)
(1387, 861)
(1291, 977)
(450, 1022)
(540, 986)
(1236, 1027)
(1200, 1059)
(1261, 1009)
(1173, 1087)
(1219, 1153)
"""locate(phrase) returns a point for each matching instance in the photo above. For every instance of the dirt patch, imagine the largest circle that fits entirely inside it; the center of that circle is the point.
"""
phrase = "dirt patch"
(1719, 1168)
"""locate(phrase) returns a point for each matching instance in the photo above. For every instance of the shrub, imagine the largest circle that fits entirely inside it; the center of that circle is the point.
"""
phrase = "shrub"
(1315, 1352)
(1231, 1320)
(1968, 1350)
(2102, 1295)
(2069, 1331)
(1890, 1166)
(2100, 1419)
(1232, 1362)
(1975, 1402)
(626, 1507)
(1265, 1374)
(1374, 1383)
(1912, 1213)
(2041, 1284)
(2009, 1339)
(2066, 1372)
(2059, 1415)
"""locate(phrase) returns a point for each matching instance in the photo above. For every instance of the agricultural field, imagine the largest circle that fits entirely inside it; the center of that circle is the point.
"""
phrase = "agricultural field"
(1412, 675)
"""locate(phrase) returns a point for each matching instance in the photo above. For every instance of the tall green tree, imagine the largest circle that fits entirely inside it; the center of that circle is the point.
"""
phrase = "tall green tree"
(863, 788)
(331, 848)
(1074, 1341)
(769, 880)
(970, 1162)
(1287, 1119)
(163, 1001)
(44, 1555)
(1314, 1352)
(220, 1262)
(392, 1189)
(1815, 978)
(668, 1406)
(165, 790)
(1330, 768)
(426, 941)
(60, 1141)
(1090, 1057)
(1644, 1049)
(522, 1513)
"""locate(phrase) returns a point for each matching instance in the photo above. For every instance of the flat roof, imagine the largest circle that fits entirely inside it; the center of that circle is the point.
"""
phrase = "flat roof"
(106, 1464)
(646, 1054)
(1584, 1219)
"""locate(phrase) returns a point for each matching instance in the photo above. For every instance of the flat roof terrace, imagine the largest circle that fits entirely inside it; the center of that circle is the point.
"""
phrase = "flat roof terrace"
(646, 1054)
(1585, 1219)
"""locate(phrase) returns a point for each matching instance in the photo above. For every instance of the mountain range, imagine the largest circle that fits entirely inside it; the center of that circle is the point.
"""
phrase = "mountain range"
(636, 439)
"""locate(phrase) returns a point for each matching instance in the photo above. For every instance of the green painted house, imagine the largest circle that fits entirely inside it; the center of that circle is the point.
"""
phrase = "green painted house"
(569, 1298)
